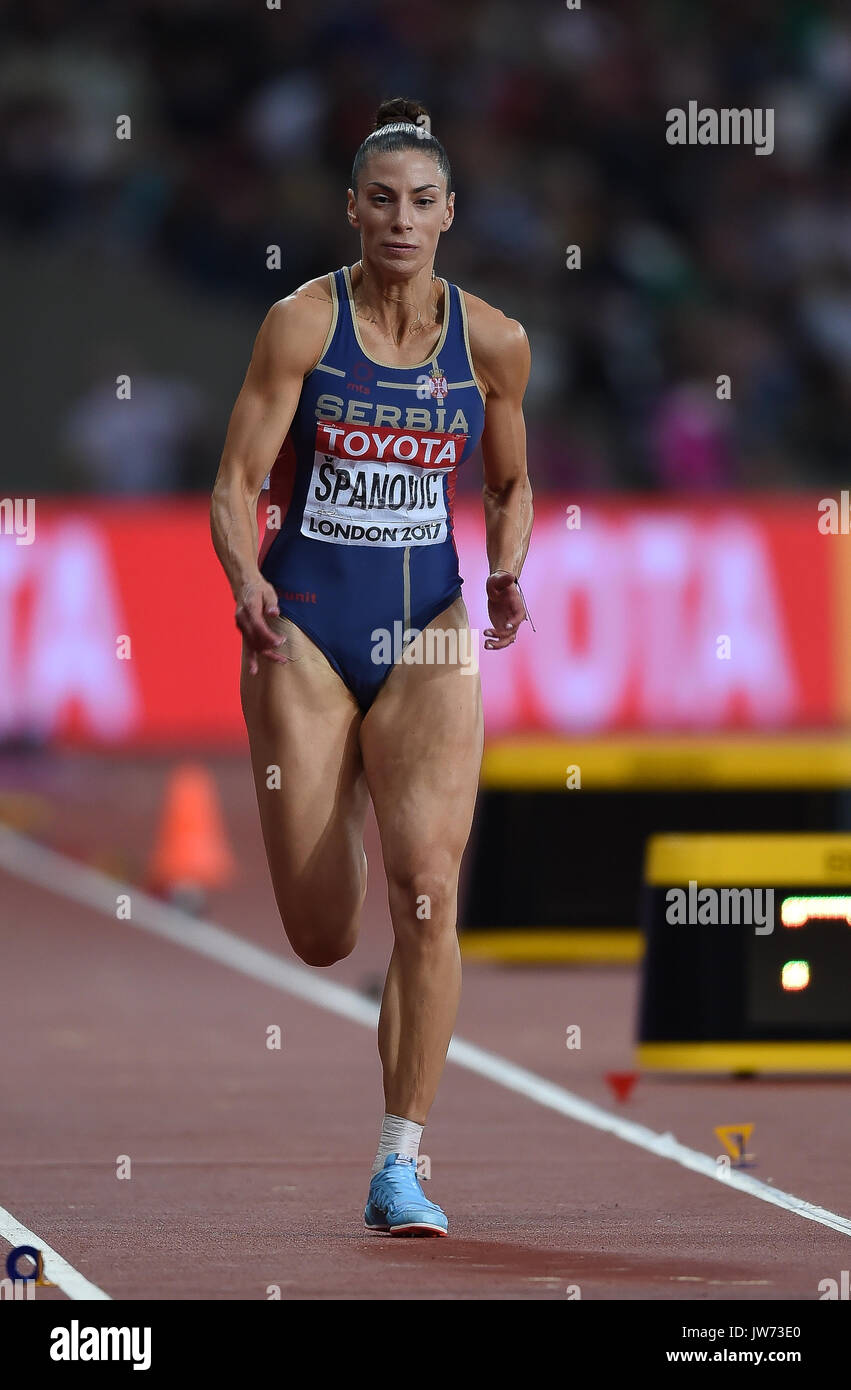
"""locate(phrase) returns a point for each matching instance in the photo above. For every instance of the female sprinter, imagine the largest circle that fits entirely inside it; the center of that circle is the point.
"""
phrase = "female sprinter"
(367, 389)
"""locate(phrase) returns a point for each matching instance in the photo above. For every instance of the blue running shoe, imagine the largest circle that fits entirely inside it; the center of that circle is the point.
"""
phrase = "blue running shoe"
(398, 1205)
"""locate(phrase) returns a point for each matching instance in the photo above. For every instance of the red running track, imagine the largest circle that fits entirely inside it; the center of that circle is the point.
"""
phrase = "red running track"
(249, 1167)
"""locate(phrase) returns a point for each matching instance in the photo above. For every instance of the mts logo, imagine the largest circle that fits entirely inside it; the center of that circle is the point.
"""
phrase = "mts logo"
(829, 1289)
(357, 386)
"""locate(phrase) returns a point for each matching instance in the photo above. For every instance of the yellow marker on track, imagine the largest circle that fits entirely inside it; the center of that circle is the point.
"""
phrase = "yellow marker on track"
(734, 1138)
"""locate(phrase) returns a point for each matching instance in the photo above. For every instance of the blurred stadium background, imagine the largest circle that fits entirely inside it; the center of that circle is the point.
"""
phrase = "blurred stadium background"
(149, 254)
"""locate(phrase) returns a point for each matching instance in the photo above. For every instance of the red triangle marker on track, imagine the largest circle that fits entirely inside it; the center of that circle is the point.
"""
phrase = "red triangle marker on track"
(622, 1083)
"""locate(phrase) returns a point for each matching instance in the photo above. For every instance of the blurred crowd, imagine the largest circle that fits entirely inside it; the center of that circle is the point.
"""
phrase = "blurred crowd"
(696, 262)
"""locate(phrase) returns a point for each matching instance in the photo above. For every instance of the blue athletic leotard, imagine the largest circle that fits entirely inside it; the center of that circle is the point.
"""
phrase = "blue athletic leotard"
(361, 550)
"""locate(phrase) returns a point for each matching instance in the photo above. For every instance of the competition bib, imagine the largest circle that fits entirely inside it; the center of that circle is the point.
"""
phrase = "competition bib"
(377, 486)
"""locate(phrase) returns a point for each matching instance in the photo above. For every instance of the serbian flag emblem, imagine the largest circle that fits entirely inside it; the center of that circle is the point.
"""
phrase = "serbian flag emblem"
(438, 386)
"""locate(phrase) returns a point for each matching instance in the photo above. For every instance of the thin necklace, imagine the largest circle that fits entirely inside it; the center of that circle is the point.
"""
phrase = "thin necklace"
(416, 327)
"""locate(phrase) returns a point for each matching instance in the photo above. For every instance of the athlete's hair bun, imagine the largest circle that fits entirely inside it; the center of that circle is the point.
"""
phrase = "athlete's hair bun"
(396, 129)
(400, 109)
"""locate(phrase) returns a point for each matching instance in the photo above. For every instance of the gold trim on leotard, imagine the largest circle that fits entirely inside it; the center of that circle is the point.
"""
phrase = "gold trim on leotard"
(397, 366)
(330, 334)
(466, 326)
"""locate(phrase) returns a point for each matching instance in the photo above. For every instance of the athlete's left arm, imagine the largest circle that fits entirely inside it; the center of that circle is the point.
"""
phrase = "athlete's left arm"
(501, 354)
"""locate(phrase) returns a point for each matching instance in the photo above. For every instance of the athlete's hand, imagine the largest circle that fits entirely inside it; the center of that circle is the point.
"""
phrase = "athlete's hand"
(506, 609)
(257, 601)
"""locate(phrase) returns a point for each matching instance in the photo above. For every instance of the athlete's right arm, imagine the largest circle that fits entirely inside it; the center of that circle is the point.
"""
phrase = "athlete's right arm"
(286, 349)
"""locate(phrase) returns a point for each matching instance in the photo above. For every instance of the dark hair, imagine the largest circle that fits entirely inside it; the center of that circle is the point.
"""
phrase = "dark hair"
(397, 128)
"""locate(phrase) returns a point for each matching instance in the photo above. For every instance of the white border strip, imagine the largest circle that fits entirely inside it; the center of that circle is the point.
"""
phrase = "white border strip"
(56, 1270)
(46, 869)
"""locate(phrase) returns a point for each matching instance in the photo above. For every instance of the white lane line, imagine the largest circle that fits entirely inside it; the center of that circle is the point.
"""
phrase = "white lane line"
(554, 1097)
(56, 1269)
(47, 869)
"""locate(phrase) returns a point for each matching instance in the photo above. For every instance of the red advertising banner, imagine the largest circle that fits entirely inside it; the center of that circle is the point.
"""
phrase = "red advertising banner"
(631, 608)
(116, 622)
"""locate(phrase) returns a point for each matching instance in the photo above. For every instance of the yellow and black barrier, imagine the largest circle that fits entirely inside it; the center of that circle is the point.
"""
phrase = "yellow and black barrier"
(555, 865)
(748, 953)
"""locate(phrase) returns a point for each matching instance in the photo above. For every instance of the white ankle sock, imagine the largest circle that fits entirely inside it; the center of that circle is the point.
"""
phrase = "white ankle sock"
(398, 1136)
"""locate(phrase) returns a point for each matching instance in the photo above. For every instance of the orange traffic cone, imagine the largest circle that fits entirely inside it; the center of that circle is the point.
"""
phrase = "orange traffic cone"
(192, 853)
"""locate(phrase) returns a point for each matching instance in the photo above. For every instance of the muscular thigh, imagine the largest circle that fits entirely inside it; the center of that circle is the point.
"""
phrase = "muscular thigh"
(422, 747)
(302, 720)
